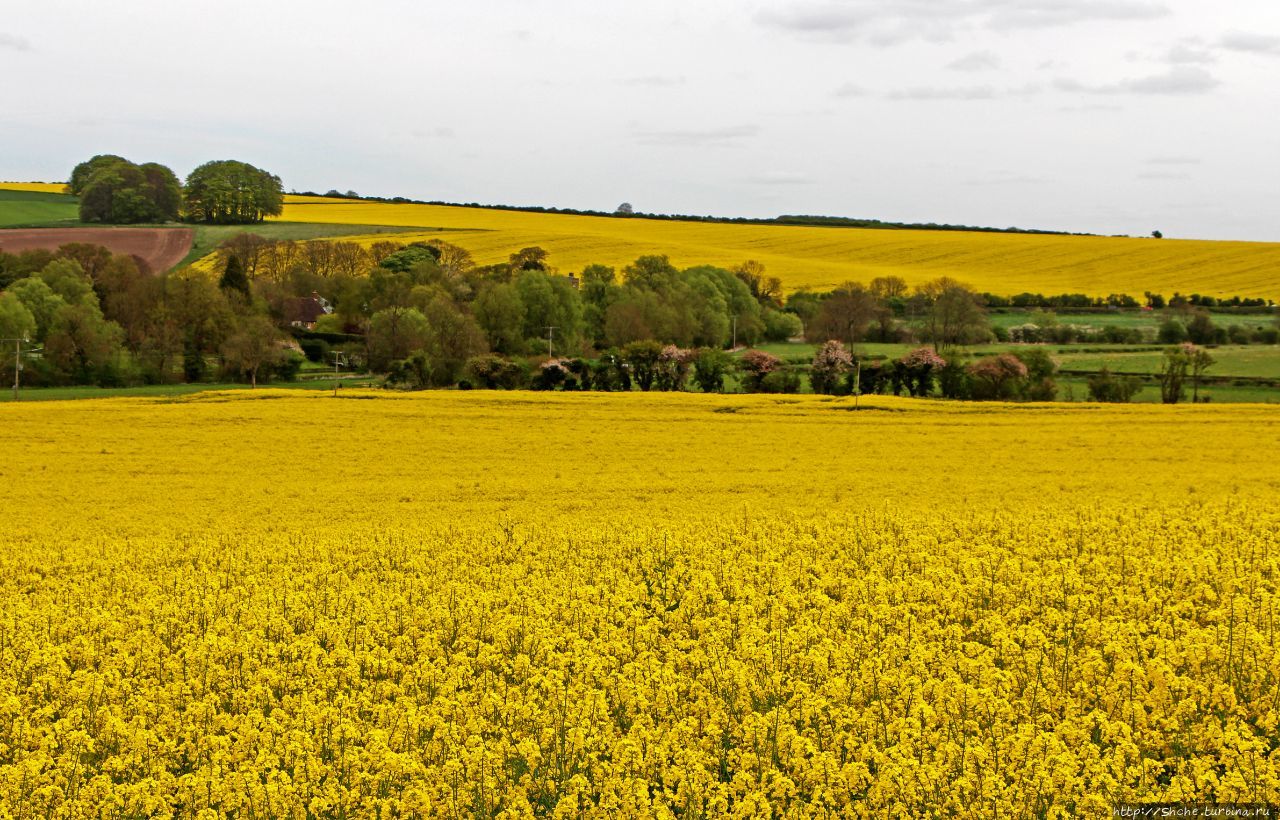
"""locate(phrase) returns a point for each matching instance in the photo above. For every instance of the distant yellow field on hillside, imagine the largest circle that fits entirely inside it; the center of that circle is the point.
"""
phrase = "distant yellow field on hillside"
(39, 187)
(825, 257)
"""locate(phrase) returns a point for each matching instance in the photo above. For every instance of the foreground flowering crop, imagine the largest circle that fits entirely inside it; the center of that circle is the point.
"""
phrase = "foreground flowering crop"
(286, 605)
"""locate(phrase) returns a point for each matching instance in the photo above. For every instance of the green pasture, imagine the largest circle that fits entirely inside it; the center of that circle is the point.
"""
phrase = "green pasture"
(30, 209)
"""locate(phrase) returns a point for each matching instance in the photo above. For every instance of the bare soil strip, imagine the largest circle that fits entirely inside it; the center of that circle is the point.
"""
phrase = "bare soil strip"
(159, 248)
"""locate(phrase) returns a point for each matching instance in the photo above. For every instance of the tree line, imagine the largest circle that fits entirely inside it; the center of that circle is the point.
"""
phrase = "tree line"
(427, 315)
(113, 190)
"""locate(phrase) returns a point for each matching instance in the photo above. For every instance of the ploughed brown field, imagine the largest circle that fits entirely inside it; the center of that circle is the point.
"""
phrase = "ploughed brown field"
(159, 248)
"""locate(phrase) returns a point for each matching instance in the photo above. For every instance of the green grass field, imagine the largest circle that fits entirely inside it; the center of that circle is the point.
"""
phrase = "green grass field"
(1241, 361)
(1143, 320)
(69, 393)
(209, 237)
(35, 209)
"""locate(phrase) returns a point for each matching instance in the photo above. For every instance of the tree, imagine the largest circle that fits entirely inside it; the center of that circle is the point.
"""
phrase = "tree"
(228, 192)
(81, 173)
(756, 365)
(767, 290)
(780, 326)
(453, 338)
(1199, 360)
(453, 260)
(500, 314)
(1111, 388)
(253, 344)
(643, 357)
(889, 287)
(40, 301)
(66, 278)
(80, 342)
(953, 314)
(234, 278)
(1173, 372)
(394, 333)
(673, 368)
(997, 378)
(845, 315)
(533, 258)
(830, 364)
(598, 290)
(625, 209)
(16, 321)
(916, 370)
(710, 368)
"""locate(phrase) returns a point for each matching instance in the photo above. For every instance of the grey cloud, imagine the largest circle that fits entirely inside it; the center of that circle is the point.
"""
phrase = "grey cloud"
(977, 61)
(977, 92)
(1251, 43)
(654, 80)
(1006, 178)
(885, 22)
(1173, 161)
(700, 138)
(1182, 81)
(973, 92)
(14, 42)
(441, 132)
(1188, 53)
(850, 90)
(1161, 175)
(781, 178)
(1045, 13)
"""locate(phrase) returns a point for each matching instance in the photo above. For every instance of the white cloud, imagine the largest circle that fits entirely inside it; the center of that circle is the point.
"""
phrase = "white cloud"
(977, 61)
(1175, 82)
(885, 22)
(700, 138)
(1251, 43)
(850, 90)
(14, 42)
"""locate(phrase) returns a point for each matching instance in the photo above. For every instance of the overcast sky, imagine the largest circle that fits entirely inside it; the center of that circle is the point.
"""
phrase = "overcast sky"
(1109, 116)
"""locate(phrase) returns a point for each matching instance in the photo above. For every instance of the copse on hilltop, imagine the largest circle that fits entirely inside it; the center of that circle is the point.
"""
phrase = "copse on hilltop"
(228, 192)
(113, 190)
(116, 191)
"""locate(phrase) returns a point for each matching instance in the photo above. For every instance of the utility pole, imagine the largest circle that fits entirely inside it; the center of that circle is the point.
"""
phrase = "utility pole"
(17, 362)
(735, 334)
(337, 361)
(857, 383)
(551, 332)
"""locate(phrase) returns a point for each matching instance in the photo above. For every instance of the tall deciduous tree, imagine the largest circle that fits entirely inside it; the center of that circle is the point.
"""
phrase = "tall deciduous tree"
(254, 343)
(228, 192)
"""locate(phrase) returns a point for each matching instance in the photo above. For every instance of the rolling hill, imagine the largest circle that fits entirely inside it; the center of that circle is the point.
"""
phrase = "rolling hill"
(816, 257)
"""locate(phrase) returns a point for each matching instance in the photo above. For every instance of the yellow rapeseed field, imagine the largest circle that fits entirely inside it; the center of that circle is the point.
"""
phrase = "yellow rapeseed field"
(822, 258)
(284, 604)
(39, 187)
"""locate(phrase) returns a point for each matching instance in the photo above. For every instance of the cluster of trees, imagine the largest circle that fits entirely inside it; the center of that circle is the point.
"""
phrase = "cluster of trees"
(114, 190)
(1197, 327)
(942, 312)
(99, 318)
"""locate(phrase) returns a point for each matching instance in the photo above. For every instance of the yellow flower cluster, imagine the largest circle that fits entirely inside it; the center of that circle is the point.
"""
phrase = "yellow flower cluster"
(281, 604)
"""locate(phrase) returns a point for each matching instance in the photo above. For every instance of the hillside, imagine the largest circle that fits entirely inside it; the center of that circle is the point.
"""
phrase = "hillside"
(821, 258)
(814, 257)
